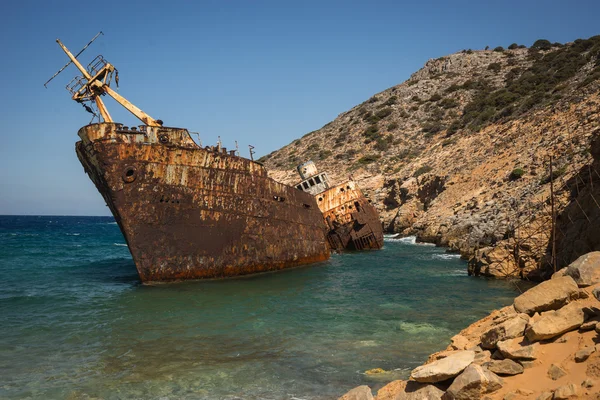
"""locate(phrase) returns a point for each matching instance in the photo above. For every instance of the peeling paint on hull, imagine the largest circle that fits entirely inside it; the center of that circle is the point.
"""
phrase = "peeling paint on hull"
(190, 213)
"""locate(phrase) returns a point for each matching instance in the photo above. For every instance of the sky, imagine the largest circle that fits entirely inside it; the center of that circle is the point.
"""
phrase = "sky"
(260, 72)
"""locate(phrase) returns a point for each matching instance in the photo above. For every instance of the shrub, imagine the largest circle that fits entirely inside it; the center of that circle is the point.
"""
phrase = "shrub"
(423, 170)
(499, 49)
(435, 97)
(392, 127)
(391, 101)
(432, 127)
(323, 154)
(542, 44)
(448, 103)
(368, 159)
(382, 144)
(448, 142)
(453, 128)
(496, 67)
(453, 88)
(416, 98)
(381, 114)
(513, 46)
(371, 132)
(373, 99)
(516, 173)
(557, 173)
(513, 74)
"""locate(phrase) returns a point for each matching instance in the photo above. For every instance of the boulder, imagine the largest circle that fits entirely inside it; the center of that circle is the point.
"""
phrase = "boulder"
(527, 364)
(517, 350)
(389, 391)
(504, 367)
(358, 393)
(508, 329)
(555, 372)
(548, 295)
(544, 396)
(409, 390)
(596, 293)
(588, 383)
(443, 369)
(584, 354)
(459, 342)
(473, 383)
(559, 273)
(589, 325)
(565, 392)
(482, 357)
(555, 323)
(585, 271)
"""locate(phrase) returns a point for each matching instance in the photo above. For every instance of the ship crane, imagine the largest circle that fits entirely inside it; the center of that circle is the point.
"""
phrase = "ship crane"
(95, 82)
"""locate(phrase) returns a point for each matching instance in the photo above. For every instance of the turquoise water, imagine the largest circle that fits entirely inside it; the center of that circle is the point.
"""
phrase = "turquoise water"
(76, 322)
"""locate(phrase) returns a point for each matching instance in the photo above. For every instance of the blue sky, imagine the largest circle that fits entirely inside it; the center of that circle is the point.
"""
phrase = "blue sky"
(259, 72)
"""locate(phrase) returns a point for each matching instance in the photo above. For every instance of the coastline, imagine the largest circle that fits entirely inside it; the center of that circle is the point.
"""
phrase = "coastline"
(543, 346)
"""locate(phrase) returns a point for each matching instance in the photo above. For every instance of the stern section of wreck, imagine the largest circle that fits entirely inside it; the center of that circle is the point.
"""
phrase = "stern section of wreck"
(352, 221)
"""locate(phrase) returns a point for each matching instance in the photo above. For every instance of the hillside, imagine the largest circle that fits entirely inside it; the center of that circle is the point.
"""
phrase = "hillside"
(460, 153)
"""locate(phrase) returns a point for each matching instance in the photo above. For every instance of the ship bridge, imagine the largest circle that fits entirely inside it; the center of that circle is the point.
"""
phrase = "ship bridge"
(312, 182)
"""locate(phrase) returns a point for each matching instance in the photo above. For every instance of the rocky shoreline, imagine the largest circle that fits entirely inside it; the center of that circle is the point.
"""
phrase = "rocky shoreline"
(546, 345)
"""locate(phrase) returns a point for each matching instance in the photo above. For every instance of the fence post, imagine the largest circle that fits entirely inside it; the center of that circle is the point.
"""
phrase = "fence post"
(553, 216)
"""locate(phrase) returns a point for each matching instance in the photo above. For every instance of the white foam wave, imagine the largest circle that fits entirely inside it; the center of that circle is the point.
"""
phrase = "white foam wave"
(73, 234)
(120, 244)
(408, 240)
(446, 256)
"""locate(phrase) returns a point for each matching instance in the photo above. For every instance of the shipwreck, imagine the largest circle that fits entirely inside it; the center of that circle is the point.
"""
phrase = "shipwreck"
(192, 212)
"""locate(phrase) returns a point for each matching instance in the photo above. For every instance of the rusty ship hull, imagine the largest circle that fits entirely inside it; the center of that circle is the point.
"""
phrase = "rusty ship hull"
(353, 223)
(188, 212)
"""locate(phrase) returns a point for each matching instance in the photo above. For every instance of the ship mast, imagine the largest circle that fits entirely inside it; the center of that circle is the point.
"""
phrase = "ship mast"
(95, 82)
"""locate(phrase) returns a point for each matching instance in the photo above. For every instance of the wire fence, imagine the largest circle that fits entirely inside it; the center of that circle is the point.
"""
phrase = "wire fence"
(560, 218)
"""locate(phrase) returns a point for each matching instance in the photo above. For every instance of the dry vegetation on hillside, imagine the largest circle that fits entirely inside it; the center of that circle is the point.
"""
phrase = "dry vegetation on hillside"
(459, 153)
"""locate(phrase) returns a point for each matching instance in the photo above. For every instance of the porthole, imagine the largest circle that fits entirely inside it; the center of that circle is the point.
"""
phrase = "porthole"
(129, 174)
(164, 139)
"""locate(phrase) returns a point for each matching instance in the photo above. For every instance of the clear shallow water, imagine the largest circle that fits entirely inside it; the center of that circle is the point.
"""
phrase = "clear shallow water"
(76, 322)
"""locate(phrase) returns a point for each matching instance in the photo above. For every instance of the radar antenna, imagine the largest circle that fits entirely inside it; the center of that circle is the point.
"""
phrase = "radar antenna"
(95, 82)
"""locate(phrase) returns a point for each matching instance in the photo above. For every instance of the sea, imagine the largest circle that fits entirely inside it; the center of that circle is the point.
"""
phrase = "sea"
(76, 322)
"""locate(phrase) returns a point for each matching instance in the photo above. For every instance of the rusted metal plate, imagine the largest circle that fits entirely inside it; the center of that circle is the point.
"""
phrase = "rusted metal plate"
(190, 213)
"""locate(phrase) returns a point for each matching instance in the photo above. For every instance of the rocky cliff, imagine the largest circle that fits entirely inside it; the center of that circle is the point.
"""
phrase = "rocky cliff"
(461, 153)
